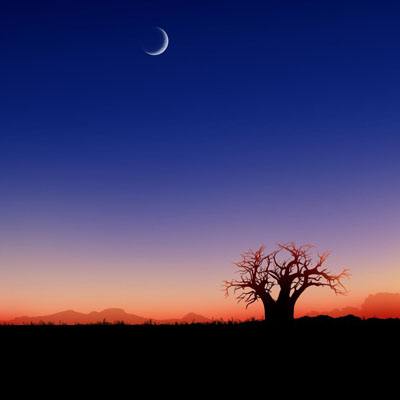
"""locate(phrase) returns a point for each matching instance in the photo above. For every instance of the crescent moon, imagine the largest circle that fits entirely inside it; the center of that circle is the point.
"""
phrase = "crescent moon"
(164, 45)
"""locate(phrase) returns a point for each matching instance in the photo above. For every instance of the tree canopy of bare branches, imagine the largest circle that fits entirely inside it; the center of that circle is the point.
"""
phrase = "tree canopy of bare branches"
(289, 270)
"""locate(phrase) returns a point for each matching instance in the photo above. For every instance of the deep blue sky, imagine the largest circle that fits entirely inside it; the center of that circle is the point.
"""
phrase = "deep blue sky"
(263, 121)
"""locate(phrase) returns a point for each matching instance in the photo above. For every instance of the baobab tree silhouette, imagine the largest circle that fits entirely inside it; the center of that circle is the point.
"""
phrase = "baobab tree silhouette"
(289, 269)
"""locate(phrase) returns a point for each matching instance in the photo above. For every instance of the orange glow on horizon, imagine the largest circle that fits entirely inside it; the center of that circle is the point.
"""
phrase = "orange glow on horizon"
(43, 284)
(381, 305)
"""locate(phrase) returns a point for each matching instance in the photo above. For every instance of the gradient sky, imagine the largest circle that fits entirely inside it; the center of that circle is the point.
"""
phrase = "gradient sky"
(135, 181)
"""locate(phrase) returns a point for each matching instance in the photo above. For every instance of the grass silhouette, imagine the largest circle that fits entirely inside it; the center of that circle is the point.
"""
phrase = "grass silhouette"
(311, 333)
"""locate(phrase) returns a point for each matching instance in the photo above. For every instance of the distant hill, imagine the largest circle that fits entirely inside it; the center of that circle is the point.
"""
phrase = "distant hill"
(192, 317)
(187, 319)
(111, 315)
(380, 305)
(337, 312)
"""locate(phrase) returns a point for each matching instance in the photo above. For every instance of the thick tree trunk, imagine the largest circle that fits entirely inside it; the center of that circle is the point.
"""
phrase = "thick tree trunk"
(280, 311)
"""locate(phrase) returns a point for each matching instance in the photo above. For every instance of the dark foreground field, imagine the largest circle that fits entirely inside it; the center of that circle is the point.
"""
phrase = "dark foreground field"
(236, 356)
(308, 336)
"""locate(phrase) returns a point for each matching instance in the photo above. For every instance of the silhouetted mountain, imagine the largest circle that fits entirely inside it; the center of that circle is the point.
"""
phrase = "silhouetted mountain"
(116, 315)
(381, 305)
(186, 319)
(338, 312)
(192, 317)
(68, 316)
(72, 317)
(111, 315)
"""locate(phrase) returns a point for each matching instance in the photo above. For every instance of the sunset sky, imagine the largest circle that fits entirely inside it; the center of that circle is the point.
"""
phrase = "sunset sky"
(134, 181)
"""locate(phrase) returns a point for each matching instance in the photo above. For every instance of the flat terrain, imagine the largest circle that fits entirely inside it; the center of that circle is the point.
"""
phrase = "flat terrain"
(321, 350)
(314, 335)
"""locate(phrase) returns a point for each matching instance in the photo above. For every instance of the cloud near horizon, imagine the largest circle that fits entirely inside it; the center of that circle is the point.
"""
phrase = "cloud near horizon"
(378, 305)
(383, 305)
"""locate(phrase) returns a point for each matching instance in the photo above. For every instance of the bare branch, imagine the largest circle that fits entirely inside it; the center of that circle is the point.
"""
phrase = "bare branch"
(290, 267)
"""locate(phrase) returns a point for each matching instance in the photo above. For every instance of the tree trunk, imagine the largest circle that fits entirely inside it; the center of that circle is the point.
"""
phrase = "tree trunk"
(281, 311)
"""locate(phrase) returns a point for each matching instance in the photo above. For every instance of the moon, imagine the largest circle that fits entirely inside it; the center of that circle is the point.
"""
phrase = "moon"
(164, 45)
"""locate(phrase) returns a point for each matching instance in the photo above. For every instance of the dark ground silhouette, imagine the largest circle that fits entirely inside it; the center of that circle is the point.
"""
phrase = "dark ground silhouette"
(312, 336)
(210, 360)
